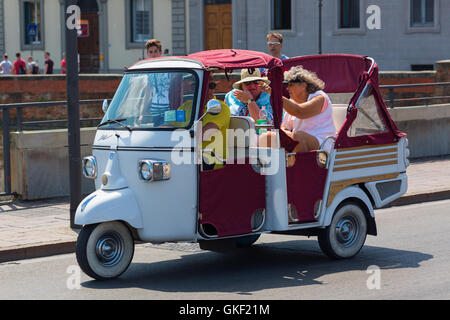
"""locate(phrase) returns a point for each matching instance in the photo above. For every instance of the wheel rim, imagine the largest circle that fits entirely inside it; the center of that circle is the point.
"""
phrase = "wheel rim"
(109, 249)
(347, 231)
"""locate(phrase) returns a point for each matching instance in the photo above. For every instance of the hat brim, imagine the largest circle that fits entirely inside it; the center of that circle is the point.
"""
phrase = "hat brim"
(237, 84)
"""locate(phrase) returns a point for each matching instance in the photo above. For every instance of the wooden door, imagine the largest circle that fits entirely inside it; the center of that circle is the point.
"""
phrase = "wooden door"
(88, 44)
(218, 26)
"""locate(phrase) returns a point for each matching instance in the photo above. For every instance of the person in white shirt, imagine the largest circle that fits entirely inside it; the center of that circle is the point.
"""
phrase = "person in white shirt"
(5, 65)
(308, 117)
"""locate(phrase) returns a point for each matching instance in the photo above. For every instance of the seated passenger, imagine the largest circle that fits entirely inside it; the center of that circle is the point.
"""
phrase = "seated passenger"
(249, 96)
(308, 117)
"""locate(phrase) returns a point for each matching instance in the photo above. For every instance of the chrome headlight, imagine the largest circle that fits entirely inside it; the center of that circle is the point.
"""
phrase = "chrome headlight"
(154, 170)
(89, 165)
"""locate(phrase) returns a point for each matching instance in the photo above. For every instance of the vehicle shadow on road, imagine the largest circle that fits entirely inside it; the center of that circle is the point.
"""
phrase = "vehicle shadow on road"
(263, 266)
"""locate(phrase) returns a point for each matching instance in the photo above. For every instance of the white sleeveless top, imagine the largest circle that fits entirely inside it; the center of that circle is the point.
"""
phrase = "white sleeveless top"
(319, 126)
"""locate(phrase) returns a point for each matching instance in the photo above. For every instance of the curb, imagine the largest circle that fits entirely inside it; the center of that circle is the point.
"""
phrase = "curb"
(55, 248)
(419, 198)
(37, 251)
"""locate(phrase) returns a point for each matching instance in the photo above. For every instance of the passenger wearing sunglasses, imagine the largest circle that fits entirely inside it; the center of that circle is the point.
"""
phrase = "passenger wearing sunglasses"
(249, 96)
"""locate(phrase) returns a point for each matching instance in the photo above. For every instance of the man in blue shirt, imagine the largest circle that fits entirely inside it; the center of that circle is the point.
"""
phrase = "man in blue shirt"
(274, 45)
(249, 96)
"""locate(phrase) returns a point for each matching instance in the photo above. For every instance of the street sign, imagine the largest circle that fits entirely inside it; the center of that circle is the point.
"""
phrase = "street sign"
(32, 30)
(83, 32)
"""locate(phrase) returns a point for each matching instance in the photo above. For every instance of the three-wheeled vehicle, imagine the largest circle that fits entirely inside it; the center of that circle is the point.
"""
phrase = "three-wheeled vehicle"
(150, 186)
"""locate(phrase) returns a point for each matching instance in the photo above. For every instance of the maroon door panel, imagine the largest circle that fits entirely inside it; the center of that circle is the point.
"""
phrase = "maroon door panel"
(305, 185)
(229, 196)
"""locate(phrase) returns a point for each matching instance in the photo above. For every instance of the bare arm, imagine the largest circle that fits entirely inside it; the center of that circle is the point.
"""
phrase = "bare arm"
(253, 108)
(306, 109)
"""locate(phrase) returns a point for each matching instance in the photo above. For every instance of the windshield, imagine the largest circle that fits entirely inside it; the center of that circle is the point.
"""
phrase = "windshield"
(161, 100)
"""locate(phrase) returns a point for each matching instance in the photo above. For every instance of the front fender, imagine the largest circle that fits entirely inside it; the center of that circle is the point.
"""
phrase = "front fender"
(102, 206)
(347, 193)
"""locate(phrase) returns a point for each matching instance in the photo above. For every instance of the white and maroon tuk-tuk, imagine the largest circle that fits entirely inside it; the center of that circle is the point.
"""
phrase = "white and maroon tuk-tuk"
(146, 194)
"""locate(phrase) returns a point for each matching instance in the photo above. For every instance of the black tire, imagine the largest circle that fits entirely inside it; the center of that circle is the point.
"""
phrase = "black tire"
(104, 251)
(247, 241)
(346, 234)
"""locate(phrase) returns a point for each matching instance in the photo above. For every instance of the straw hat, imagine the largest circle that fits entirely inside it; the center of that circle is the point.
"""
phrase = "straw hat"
(248, 75)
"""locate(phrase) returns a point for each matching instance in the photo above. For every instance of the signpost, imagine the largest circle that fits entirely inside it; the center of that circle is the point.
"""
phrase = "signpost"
(73, 15)
(32, 33)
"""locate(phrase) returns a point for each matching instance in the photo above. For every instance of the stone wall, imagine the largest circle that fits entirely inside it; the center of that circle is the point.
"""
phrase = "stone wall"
(42, 88)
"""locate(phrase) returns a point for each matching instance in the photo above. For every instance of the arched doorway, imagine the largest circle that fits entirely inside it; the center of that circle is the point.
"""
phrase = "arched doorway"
(88, 37)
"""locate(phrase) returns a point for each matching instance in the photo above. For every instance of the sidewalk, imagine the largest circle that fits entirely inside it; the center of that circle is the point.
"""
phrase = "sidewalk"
(41, 228)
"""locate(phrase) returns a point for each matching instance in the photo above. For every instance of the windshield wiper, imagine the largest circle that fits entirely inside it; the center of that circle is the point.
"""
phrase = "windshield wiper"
(115, 121)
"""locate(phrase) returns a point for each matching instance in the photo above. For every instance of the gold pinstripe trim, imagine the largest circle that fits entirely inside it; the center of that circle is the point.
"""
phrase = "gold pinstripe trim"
(367, 165)
(359, 160)
(368, 147)
(366, 153)
(337, 186)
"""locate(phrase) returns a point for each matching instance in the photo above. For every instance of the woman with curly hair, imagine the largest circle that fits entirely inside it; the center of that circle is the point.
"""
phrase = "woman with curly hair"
(308, 117)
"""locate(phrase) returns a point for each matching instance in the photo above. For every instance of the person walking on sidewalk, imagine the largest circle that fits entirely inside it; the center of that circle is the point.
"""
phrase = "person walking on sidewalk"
(48, 68)
(20, 66)
(5, 65)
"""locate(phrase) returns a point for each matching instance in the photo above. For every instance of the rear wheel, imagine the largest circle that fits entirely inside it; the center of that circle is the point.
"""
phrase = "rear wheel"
(346, 234)
(104, 251)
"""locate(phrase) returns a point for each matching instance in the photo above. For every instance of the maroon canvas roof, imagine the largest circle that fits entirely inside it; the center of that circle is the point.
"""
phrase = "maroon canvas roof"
(340, 72)
(235, 59)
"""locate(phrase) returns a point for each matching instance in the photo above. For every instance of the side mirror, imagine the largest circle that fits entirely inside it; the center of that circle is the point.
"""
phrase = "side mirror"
(213, 107)
(105, 105)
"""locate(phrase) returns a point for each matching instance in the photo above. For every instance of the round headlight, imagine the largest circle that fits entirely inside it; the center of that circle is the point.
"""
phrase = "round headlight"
(90, 167)
(145, 171)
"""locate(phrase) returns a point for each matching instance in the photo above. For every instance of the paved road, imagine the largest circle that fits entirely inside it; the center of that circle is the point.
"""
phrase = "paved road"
(411, 251)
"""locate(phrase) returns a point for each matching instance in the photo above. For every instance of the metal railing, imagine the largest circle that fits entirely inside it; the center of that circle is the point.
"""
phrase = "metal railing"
(6, 128)
(426, 100)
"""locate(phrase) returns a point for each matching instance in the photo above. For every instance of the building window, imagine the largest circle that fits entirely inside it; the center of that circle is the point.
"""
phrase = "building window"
(281, 14)
(32, 26)
(422, 13)
(349, 14)
(140, 20)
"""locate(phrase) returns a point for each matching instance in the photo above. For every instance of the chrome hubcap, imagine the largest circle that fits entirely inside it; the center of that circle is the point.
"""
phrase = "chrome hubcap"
(347, 231)
(109, 249)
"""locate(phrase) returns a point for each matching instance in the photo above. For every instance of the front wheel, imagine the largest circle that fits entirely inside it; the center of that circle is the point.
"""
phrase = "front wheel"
(104, 251)
(346, 234)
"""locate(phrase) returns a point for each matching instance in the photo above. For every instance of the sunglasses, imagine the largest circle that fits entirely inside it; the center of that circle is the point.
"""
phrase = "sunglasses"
(256, 82)
(293, 81)
(272, 43)
(212, 85)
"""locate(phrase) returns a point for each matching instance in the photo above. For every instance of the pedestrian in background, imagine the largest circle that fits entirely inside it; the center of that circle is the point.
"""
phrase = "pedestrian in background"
(48, 68)
(31, 66)
(20, 66)
(275, 45)
(63, 64)
(5, 65)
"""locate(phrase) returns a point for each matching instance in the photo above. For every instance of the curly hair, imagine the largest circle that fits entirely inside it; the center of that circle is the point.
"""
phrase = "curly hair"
(299, 74)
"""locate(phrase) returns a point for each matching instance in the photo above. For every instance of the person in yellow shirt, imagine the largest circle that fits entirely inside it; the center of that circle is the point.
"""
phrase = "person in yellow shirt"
(214, 136)
(214, 129)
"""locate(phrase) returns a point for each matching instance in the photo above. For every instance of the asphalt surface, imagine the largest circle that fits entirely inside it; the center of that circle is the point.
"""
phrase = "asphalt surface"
(408, 260)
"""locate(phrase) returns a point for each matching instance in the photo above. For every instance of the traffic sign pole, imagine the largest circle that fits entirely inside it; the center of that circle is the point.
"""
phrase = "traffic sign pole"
(73, 111)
